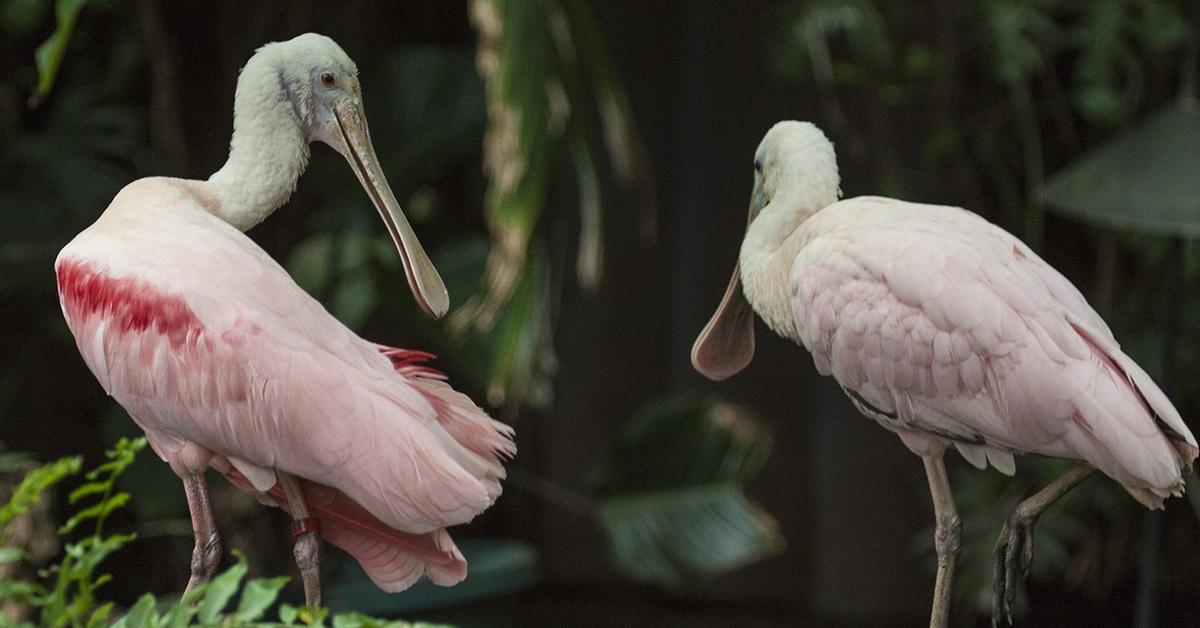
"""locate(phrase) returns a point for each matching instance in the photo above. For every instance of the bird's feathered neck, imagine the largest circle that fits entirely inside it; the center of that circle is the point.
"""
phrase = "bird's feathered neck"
(802, 184)
(268, 151)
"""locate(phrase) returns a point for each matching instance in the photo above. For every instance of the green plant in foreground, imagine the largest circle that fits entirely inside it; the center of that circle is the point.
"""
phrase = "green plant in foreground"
(65, 594)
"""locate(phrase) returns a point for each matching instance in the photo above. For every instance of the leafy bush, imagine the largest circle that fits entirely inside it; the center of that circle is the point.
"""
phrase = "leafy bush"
(65, 593)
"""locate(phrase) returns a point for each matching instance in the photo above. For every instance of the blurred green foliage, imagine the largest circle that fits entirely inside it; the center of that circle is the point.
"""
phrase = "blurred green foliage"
(551, 88)
(50, 54)
(672, 492)
(987, 69)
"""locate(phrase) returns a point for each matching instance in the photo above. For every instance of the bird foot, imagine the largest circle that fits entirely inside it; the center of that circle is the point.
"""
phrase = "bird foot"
(308, 558)
(1014, 556)
(205, 556)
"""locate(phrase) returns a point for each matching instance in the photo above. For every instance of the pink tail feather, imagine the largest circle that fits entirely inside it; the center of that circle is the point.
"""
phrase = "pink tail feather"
(394, 560)
(490, 440)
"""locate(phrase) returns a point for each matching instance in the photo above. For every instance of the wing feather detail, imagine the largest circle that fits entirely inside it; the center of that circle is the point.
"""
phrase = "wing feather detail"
(955, 327)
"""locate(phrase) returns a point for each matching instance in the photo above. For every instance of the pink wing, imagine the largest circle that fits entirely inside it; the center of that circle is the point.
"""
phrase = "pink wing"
(215, 351)
(939, 323)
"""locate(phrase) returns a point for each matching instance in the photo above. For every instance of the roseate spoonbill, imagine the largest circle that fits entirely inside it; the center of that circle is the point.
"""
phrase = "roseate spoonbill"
(226, 363)
(948, 331)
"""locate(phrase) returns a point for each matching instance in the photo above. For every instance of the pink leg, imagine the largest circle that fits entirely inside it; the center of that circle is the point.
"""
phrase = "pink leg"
(945, 536)
(306, 530)
(207, 551)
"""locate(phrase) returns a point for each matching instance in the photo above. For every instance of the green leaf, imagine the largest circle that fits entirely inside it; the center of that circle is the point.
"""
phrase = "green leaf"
(11, 554)
(258, 596)
(18, 591)
(359, 620)
(589, 260)
(181, 613)
(673, 537)
(287, 614)
(681, 442)
(220, 590)
(312, 616)
(99, 617)
(178, 617)
(48, 57)
(141, 615)
(90, 488)
(671, 496)
(97, 511)
(30, 490)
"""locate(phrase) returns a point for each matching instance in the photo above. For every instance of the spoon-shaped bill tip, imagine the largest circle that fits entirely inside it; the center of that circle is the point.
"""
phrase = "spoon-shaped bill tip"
(726, 344)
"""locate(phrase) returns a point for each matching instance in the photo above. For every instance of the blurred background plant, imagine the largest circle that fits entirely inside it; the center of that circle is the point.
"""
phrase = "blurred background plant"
(551, 89)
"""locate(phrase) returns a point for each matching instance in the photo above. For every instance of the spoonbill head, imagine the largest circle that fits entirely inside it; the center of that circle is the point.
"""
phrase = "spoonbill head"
(289, 95)
(948, 331)
(795, 163)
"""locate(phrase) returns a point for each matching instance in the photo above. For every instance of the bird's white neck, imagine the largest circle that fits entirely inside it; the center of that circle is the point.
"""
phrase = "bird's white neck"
(770, 248)
(267, 154)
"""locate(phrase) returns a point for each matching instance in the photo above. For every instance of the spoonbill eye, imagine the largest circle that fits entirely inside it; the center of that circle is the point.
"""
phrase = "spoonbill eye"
(327, 79)
(758, 166)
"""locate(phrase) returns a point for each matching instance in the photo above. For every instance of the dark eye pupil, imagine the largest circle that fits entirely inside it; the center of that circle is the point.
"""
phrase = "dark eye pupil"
(758, 165)
(327, 78)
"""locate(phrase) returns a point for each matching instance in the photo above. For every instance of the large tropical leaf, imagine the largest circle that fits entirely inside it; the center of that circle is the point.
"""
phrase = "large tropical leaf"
(672, 498)
(551, 89)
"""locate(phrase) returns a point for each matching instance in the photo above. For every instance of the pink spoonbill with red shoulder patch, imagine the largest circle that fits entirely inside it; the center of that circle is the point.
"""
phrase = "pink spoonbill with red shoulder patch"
(226, 363)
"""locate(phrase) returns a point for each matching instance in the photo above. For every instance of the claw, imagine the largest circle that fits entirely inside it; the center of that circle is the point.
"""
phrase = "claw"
(1014, 554)
(1014, 548)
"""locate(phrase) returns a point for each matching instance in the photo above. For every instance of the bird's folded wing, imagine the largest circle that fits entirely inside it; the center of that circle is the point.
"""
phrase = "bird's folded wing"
(946, 324)
(260, 372)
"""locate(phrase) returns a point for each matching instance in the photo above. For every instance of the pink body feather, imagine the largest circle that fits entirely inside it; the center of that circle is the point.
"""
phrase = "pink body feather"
(947, 329)
(225, 362)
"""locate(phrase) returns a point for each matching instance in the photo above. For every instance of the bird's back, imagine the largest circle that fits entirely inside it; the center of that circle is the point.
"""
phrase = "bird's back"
(213, 349)
(946, 328)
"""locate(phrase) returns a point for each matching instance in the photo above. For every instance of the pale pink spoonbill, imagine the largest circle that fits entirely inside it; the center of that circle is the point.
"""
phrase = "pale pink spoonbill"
(948, 331)
(226, 363)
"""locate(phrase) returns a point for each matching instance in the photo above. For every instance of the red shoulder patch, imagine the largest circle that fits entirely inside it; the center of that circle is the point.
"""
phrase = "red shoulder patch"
(129, 303)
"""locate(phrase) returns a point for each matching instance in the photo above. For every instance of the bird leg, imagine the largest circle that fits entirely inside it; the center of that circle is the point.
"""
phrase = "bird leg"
(1014, 548)
(306, 530)
(207, 551)
(945, 536)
